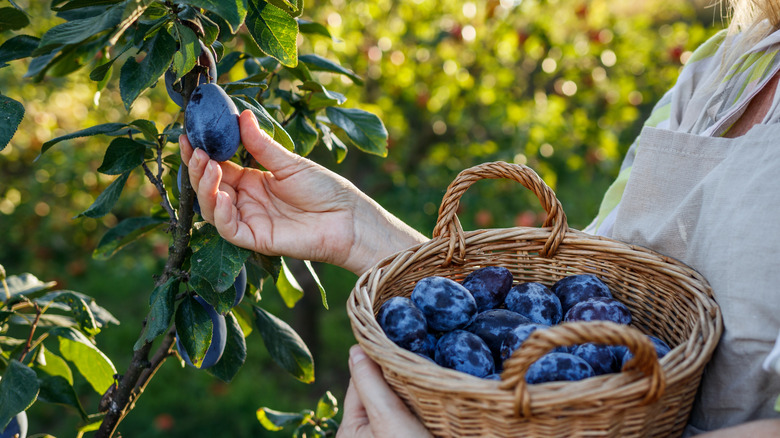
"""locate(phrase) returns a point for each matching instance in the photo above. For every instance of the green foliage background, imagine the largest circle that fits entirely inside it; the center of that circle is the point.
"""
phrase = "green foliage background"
(559, 85)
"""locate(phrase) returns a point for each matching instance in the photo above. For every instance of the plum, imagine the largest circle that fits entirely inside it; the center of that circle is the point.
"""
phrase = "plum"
(536, 302)
(207, 59)
(518, 335)
(218, 338)
(489, 286)
(494, 376)
(211, 121)
(240, 285)
(493, 325)
(465, 352)
(404, 324)
(599, 356)
(195, 204)
(446, 304)
(555, 366)
(17, 428)
(575, 288)
(661, 350)
(599, 309)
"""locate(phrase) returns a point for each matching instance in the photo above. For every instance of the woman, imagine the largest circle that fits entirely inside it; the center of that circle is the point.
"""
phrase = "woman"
(696, 185)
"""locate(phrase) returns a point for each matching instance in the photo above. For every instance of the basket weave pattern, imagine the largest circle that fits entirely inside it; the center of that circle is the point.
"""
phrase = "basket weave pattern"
(647, 399)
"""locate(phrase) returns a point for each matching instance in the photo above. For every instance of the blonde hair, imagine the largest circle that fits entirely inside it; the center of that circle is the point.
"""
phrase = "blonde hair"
(754, 15)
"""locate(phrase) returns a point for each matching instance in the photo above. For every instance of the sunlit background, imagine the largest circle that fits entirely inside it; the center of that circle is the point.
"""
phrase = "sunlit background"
(559, 85)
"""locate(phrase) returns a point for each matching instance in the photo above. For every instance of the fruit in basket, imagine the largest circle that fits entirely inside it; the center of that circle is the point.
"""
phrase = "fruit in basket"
(575, 288)
(446, 304)
(517, 336)
(489, 286)
(466, 352)
(599, 309)
(661, 349)
(493, 325)
(211, 121)
(556, 366)
(403, 324)
(599, 356)
(536, 302)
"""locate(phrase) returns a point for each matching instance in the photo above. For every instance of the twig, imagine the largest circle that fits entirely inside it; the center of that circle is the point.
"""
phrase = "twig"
(34, 326)
(157, 181)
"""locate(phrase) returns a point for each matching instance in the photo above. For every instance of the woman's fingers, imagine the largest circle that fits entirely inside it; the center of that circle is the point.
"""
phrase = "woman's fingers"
(355, 422)
(265, 149)
(207, 187)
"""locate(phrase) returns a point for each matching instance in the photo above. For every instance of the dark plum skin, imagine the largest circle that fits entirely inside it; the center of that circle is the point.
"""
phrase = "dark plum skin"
(661, 350)
(240, 285)
(465, 352)
(536, 302)
(494, 376)
(218, 338)
(403, 323)
(211, 120)
(553, 367)
(493, 325)
(575, 288)
(195, 204)
(599, 309)
(599, 356)
(207, 60)
(517, 336)
(489, 286)
(17, 428)
(446, 304)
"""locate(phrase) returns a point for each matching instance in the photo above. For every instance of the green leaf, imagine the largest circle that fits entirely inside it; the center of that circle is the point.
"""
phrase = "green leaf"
(292, 7)
(102, 316)
(135, 77)
(285, 346)
(282, 137)
(55, 389)
(221, 301)
(160, 312)
(310, 27)
(334, 144)
(288, 286)
(91, 363)
(26, 284)
(123, 233)
(234, 356)
(318, 63)
(214, 258)
(106, 200)
(319, 283)
(102, 71)
(189, 49)
(274, 31)
(303, 134)
(232, 11)
(11, 115)
(363, 128)
(12, 19)
(260, 266)
(327, 406)
(18, 391)
(194, 329)
(80, 311)
(277, 420)
(49, 364)
(321, 96)
(18, 47)
(264, 120)
(244, 320)
(122, 156)
(105, 128)
(76, 31)
(147, 127)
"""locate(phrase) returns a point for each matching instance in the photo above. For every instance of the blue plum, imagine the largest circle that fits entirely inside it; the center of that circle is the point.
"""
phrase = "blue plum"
(494, 376)
(515, 338)
(465, 352)
(240, 285)
(218, 338)
(17, 428)
(536, 302)
(489, 286)
(555, 366)
(599, 356)
(174, 86)
(211, 121)
(446, 304)
(575, 288)
(195, 204)
(403, 323)
(661, 350)
(493, 325)
(599, 309)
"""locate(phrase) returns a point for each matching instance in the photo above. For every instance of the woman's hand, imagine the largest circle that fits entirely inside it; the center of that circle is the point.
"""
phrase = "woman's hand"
(371, 408)
(296, 208)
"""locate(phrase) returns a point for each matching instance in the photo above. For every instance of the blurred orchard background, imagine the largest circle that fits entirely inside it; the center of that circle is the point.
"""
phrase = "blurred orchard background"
(560, 85)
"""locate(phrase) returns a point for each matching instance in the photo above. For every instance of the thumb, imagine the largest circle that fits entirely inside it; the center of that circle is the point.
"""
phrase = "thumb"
(268, 152)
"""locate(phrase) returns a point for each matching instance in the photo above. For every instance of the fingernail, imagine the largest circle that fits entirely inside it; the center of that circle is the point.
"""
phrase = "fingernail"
(356, 354)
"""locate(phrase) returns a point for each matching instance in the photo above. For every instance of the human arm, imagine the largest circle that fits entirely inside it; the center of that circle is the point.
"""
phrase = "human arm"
(752, 429)
(295, 208)
(371, 408)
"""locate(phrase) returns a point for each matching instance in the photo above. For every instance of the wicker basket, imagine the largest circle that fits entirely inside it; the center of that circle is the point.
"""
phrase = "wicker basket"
(666, 298)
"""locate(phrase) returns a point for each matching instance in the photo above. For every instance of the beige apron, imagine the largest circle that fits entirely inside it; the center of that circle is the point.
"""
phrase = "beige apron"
(714, 204)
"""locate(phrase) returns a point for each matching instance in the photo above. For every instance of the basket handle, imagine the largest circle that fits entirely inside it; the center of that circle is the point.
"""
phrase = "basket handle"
(448, 224)
(568, 334)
